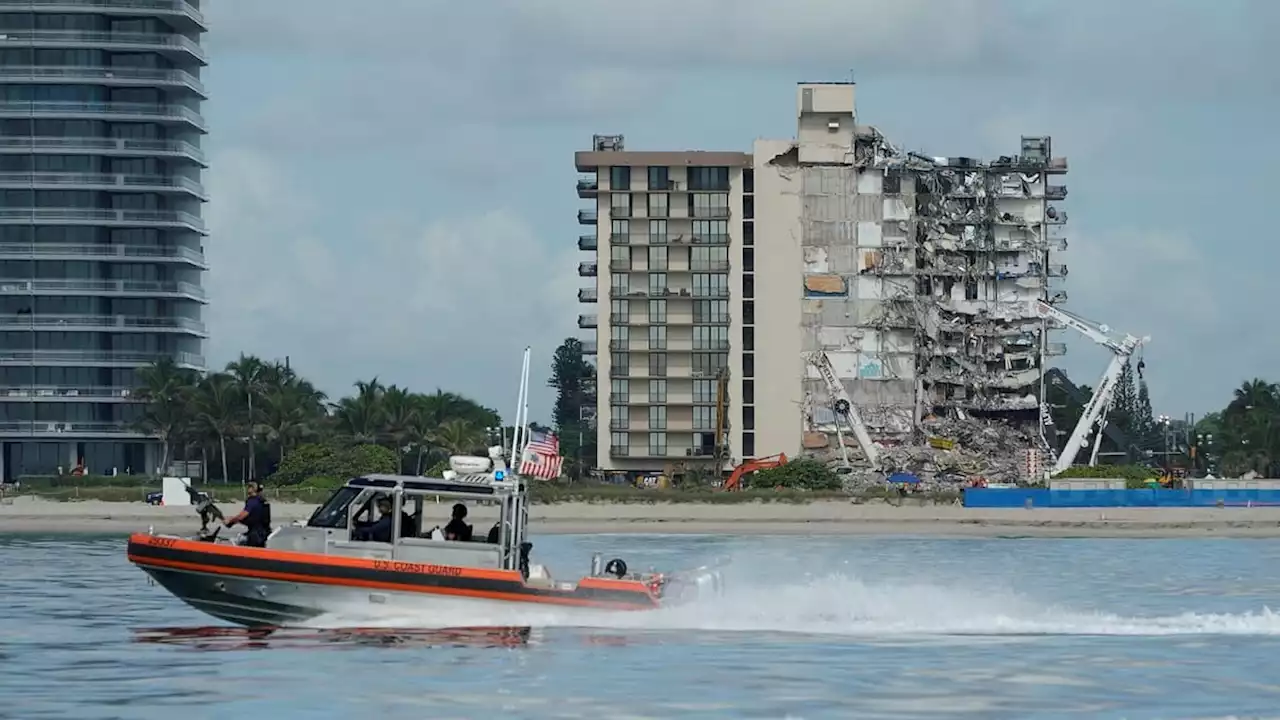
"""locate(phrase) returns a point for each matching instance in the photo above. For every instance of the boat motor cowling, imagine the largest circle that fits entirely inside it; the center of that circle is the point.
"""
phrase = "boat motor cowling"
(616, 567)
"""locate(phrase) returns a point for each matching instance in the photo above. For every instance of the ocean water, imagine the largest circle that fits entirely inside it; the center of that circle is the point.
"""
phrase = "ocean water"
(811, 627)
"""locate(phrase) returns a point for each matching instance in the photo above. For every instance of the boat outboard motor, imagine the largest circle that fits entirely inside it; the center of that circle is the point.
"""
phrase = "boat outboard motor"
(525, 547)
(616, 567)
(208, 513)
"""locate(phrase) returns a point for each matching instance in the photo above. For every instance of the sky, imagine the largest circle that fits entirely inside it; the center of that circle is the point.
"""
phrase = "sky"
(392, 181)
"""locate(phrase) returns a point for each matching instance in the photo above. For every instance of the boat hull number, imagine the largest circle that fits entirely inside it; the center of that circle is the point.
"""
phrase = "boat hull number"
(408, 567)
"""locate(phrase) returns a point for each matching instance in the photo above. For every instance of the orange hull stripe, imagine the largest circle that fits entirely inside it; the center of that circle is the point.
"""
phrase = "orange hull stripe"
(379, 585)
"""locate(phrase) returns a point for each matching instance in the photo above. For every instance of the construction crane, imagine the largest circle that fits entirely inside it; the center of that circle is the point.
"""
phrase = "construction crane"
(1095, 410)
(846, 413)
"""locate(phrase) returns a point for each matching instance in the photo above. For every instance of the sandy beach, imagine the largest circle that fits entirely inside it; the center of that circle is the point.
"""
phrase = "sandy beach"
(32, 515)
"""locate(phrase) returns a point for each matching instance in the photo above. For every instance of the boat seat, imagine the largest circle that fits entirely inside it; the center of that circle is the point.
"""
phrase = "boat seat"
(539, 576)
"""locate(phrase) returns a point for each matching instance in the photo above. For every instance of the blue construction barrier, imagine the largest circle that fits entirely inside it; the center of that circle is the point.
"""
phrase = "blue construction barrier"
(1041, 498)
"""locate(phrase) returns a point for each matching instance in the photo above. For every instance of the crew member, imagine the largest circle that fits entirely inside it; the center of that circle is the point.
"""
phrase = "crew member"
(380, 530)
(256, 516)
(457, 529)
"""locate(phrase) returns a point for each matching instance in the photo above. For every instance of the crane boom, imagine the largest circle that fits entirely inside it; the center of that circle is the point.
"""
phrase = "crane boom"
(844, 408)
(1093, 411)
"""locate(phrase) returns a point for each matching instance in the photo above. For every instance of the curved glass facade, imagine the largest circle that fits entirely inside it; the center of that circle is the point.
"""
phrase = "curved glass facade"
(101, 234)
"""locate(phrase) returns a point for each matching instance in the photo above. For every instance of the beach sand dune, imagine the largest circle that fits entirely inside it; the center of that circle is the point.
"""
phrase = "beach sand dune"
(33, 515)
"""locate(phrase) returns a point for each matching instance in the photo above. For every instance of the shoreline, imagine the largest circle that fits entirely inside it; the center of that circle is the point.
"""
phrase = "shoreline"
(28, 515)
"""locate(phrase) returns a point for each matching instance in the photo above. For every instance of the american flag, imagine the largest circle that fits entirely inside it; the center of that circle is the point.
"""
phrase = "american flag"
(542, 456)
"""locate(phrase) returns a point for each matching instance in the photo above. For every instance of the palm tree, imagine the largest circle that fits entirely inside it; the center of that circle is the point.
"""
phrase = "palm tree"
(249, 372)
(217, 409)
(361, 418)
(165, 390)
(458, 437)
(291, 412)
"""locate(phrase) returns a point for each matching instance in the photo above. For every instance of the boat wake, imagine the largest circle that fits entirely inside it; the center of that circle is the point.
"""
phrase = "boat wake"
(840, 605)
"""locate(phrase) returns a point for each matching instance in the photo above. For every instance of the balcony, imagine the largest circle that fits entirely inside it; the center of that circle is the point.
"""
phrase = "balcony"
(1057, 271)
(176, 47)
(616, 424)
(619, 345)
(619, 318)
(118, 147)
(695, 320)
(179, 12)
(710, 292)
(587, 322)
(620, 265)
(111, 112)
(587, 269)
(587, 295)
(587, 243)
(709, 266)
(123, 288)
(65, 393)
(56, 430)
(619, 451)
(1055, 192)
(105, 323)
(709, 239)
(711, 346)
(587, 217)
(709, 213)
(104, 218)
(589, 347)
(117, 76)
(96, 358)
(588, 187)
(105, 253)
(115, 182)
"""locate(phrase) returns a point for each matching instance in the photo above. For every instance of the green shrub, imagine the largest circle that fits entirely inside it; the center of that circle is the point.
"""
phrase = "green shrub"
(1130, 473)
(438, 469)
(37, 482)
(802, 474)
(329, 461)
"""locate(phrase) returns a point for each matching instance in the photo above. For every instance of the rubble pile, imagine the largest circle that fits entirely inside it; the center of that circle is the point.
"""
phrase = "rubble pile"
(953, 451)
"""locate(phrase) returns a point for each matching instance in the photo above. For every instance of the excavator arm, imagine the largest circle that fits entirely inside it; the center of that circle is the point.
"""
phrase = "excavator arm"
(765, 463)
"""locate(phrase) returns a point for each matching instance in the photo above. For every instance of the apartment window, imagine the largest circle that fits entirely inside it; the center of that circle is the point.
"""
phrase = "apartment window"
(709, 178)
(619, 283)
(748, 259)
(708, 364)
(710, 311)
(749, 418)
(620, 232)
(657, 364)
(659, 178)
(657, 391)
(618, 443)
(710, 232)
(658, 444)
(748, 391)
(704, 418)
(657, 232)
(658, 258)
(748, 233)
(657, 417)
(620, 257)
(658, 283)
(748, 365)
(748, 338)
(892, 183)
(619, 312)
(620, 364)
(619, 417)
(748, 312)
(710, 285)
(749, 287)
(748, 207)
(620, 205)
(619, 391)
(971, 290)
(619, 337)
(704, 391)
(709, 258)
(709, 205)
(657, 312)
(748, 180)
(748, 445)
(710, 337)
(658, 205)
(619, 178)
(657, 337)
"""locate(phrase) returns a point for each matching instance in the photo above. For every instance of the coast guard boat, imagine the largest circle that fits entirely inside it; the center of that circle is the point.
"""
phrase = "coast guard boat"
(328, 564)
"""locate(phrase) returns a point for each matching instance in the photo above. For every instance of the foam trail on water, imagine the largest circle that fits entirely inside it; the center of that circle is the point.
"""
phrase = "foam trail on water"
(833, 605)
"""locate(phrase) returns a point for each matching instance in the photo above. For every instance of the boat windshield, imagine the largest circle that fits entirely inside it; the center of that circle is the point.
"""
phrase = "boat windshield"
(333, 514)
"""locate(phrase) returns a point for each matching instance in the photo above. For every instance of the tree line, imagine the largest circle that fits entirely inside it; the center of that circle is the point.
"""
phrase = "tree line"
(250, 416)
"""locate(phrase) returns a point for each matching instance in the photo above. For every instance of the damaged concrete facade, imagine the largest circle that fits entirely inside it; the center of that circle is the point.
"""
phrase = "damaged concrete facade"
(914, 274)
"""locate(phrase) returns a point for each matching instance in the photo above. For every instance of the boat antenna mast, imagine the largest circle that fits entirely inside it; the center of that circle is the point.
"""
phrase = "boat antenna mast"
(519, 430)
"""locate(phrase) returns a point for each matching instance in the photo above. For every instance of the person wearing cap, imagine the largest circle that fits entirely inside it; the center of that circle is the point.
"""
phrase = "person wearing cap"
(256, 516)
(457, 529)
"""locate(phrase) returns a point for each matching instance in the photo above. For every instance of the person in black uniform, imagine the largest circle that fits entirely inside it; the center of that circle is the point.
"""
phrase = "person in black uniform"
(256, 516)
(458, 529)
